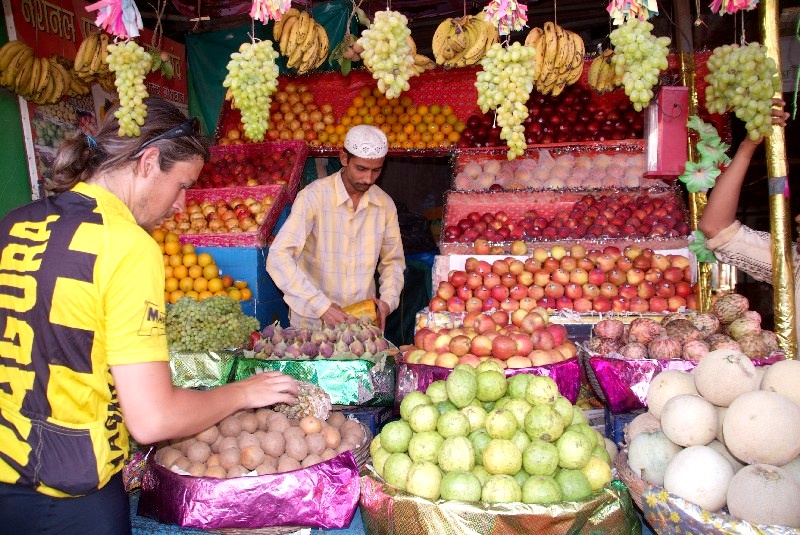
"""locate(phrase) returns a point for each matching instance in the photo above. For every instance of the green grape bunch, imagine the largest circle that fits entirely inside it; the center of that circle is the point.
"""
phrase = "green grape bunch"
(743, 79)
(387, 53)
(504, 85)
(212, 324)
(251, 80)
(130, 63)
(639, 57)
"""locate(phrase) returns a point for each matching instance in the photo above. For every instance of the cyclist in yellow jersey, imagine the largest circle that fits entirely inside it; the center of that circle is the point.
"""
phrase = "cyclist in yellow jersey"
(83, 353)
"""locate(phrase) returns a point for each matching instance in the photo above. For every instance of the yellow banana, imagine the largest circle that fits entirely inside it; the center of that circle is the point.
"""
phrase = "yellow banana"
(478, 48)
(299, 33)
(277, 29)
(8, 51)
(24, 82)
(17, 62)
(412, 45)
(440, 40)
(44, 74)
(85, 52)
(594, 72)
(324, 46)
(287, 29)
(550, 46)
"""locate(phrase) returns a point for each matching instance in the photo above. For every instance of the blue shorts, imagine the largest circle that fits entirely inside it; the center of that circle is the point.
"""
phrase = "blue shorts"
(24, 511)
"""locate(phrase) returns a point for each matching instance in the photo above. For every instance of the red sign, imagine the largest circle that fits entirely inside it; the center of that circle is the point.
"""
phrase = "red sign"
(59, 26)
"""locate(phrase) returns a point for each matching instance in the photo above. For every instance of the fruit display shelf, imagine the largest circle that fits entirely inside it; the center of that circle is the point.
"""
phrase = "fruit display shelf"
(250, 164)
(546, 218)
(258, 238)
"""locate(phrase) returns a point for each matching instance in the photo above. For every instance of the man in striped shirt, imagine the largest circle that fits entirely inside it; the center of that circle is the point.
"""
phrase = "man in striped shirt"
(341, 227)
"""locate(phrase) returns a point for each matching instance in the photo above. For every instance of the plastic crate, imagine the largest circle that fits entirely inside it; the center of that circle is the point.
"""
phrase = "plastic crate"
(615, 424)
(256, 238)
(248, 264)
(372, 417)
(248, 152)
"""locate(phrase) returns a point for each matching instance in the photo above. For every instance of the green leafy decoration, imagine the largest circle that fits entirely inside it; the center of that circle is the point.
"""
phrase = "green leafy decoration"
(346, 66)
(699, 176)
(167, 70)
(363, 19)
(713, 151)
(705, 130)
(698, 247)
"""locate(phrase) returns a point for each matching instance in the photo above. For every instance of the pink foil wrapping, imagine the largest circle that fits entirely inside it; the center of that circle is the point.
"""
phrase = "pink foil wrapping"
(324, 495)
(410, 377)
(625, 382)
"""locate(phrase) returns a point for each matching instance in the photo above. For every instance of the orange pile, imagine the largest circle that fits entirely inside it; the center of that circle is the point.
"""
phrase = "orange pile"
(406, 126)
(194, 275)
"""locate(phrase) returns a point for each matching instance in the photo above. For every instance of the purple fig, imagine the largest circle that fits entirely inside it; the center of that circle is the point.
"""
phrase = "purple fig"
(268, 331)
(317, 337)
(340, 347)
(381, 344)
(348, 337)
(293, 351)
(309, 349)
(267, 349)
(357, 348)
(325, 350)
(303, 335)
(279, 350)
(331, 334)
(369, 347)
(364, 335)
(277, 338)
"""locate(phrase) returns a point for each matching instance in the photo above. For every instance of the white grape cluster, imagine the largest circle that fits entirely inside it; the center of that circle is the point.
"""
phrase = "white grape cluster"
(639, 56)
(504, 85)
(387, 53)
(252, 78)
(130, 63)
(208, 325)
(743, 79)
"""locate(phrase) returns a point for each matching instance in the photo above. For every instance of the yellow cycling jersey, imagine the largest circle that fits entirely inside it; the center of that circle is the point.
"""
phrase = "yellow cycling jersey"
(81, 290)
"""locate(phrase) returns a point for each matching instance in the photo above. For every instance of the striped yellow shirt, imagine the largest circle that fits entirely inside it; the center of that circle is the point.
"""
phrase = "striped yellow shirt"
(327, 251)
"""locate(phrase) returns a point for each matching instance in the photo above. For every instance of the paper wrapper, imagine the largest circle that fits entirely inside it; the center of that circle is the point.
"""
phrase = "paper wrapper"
(348, 382)
(385, 510)
(624, 382)
(411, 377)
(669, 514)
(324, 495)
(203, 369)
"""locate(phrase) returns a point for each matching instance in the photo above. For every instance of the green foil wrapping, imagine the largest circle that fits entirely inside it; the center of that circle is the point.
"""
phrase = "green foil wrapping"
(348, 382)
(388, 510)
(203, 369)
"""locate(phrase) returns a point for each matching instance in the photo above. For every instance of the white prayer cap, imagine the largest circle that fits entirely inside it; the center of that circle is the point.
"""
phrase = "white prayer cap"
(365, 141)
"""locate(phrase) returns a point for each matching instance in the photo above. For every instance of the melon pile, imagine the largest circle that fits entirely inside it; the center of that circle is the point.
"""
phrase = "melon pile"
(479, 437)
(725, 435)
(729, 325)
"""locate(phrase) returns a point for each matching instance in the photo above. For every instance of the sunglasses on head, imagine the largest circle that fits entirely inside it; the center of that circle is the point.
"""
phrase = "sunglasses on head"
(188, 128)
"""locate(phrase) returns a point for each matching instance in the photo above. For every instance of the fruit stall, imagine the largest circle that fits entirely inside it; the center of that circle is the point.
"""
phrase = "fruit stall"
(572, 365)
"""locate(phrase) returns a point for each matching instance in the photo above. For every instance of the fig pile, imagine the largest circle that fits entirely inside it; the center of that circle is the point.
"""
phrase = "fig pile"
(347, 340)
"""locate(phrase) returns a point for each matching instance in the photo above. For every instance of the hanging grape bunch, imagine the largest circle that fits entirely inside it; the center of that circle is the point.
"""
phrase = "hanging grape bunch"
(639, 56)
(743, 79)
(251, 80)
(387, 53)
(130, 64)
(504, 85)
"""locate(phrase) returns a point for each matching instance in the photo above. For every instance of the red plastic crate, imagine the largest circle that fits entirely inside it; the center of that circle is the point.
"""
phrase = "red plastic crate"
(238, 239)
(547, 203)
(249, 150)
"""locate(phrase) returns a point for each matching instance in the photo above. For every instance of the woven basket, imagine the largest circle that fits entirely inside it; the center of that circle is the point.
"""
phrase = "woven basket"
(636, 485)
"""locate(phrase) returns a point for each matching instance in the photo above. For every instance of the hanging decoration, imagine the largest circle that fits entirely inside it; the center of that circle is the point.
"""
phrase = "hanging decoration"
(120, 18)
(727, 7)
(267, 10)
(507, 15)
(697, 244)
(702, 175)
(622, 10)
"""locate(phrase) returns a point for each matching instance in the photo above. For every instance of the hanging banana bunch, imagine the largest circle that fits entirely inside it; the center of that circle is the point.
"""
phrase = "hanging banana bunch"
(304, 42)
(559, 57)
(463, 41)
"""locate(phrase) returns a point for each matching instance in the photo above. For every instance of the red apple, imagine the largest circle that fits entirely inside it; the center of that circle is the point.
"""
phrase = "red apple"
(463, 292)
(547, 303)
(676, 302)
(554, 290)
(527, 303)
(653, 275)
(523, 343)
(437, 304)
(473, 304)
(500, 267)
(541, 277)
(665, 289)
(558, 332)
(660, 261)
(536, 292)
(560, 276)
(617, 277)
(597, 276)
(482, 292)
(657, 304)
(683, 289)
(605, 262)
(578, 275)
(564, 303)
(627, 290)
(525, 278)
(500, 318)
(646, 289)
(518, 292)
(509, 304)
(508, 280)
(481, 346)
(573, 290)
(517, 316)
(673, 274)
(601, 304)
(624, 263)
(678, 261)
(639, 305)
(483, 267)
(691, 301)
(419, 336)
(550, 264)
(481, 246)
(445, 290)
(620, 304)
(457, 278)
(500, 292)
(591, 291)
(635, 276)
(456, 304)
(474, 280)
(490, 303)
(608, 290)
(582, 305)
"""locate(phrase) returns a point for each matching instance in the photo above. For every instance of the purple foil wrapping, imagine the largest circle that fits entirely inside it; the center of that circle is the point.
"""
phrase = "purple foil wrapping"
(625, 382)
(410, 377)
(324, 495)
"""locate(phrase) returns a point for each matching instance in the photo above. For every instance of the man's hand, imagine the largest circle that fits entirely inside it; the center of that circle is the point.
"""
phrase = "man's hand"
(383, 312)
(335, 315)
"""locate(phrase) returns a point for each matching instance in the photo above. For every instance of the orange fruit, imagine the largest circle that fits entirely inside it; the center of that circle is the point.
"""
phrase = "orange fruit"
(214, 285)
(363, 110)
(453, 137)
(246, 294)
(194, 295)
(166, 260)
(322, 137)
(175, 260)
(175, 296)
(227, 281)
(439, 119)
(240, 284)
(459, 126)
(408, 144)
(446, 128)
(161, 247)
(400, 137)
(380, 119)
(187, 248)
(369, 119)
(446, 110)
(200, 284)
(415, 137)
(435, 109)
(416, 118)
(422, 127)
(419, 145)
(359, 100)
(370, 101)
(409, 129)
(330, 129)
(346, 120)
(438, 137)
(180, 272)
(205, 295)
(166, 296)
(234, 293)
(333, 139)
(382, 100)
(397, 128)
(352, 111)
(404, 118)
(398, 110)
(422, 109)
(196, 272)
(406, 101)
(167, 272)
(210, 271)
(171, 236)
(159, 235)
(189, 259)
(433, 128)
(357, 120)
(452, 119)
(172, 247)
(427, 137)
(386, 129)
(205, 259)
(340, 129)
(171, 284)
(220, 292)
(186, 284)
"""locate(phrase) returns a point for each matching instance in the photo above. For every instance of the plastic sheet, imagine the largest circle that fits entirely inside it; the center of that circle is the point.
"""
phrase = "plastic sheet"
(669, 514)
(624, 382)
(348, 382)
(324, 495)
(204, 369)
(410, 377)
(386, 509)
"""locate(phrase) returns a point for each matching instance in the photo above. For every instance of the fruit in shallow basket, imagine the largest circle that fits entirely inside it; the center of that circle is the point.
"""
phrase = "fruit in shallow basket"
(232, 167)
(233, 215)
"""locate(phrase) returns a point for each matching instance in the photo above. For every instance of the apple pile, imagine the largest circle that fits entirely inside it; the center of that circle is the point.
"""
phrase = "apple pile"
(206, 217)
(592, 217)
(574, 115)
(228, 169)
(514, 340)
(632, 280)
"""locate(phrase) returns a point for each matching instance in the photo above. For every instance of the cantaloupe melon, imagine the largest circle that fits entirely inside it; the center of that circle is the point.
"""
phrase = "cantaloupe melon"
(666, 385)
(793, 467)
(765, 494)
(720, 419)
(644, 422)
(689, 420)
(701, 475)
(722, 375)
(649, 454)
(763, 427)
(783, 377)
(720, 447)
(611, 448)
